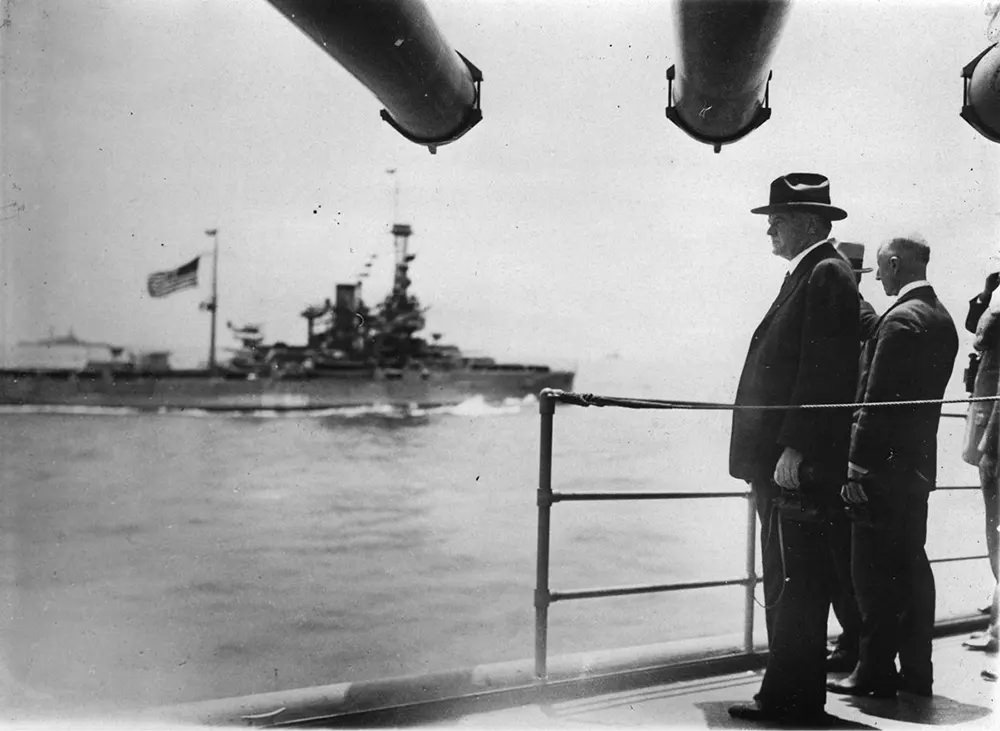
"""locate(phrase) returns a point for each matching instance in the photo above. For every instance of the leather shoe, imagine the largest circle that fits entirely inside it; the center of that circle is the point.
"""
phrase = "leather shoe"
(851, 685)
(840, 661)
(757, 711)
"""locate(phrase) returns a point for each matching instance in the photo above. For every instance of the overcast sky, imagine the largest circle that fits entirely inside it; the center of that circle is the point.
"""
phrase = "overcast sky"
(573, 222)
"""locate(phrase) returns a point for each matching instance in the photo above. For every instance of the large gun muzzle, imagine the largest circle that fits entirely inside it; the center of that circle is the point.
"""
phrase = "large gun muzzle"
(719, 90)
(394, 48)
(981, 99)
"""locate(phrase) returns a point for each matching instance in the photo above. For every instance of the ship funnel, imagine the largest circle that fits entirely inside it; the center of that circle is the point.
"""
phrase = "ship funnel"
(981, 100)
(394, 48)
(347, 298)
(718, 91)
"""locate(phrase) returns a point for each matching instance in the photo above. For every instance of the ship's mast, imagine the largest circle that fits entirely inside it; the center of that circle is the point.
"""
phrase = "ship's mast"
(401, 237)
(213, 304)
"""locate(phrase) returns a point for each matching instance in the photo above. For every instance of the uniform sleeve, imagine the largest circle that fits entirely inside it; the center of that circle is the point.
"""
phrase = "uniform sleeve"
(828, 360)
(989, 446)
(977, 306)
(987, 332)
(895, 350)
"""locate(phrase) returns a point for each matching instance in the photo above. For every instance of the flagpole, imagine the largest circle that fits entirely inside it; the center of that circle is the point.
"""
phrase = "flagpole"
(395, 194)
(214, 303)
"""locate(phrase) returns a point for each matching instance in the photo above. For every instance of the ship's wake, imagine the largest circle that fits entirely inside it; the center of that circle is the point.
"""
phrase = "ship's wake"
(67, 410)
(476, 406)
(479, 406)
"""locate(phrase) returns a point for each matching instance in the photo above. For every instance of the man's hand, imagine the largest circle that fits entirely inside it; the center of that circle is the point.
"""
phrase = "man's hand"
(988, 466)
(786, 472)
(853, 493)
(992, 282)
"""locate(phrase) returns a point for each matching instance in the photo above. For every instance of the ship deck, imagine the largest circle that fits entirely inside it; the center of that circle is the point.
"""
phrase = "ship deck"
(963, 697)
(681, 684)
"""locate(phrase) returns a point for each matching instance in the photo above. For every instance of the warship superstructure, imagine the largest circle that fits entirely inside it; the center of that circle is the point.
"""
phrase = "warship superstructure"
(353, 356)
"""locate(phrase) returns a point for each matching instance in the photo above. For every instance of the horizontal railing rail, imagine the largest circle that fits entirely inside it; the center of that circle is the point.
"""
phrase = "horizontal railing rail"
(581, 496)
(547, 497)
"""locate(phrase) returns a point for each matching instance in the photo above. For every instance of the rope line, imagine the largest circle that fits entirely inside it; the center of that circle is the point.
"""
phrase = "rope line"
(590, 399)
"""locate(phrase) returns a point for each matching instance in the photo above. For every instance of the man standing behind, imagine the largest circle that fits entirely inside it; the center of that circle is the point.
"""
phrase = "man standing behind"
(981, 302)
(844, 655)
(855, 255)
(805, 351)
(892, 469)
(984, 322)
(989, 448)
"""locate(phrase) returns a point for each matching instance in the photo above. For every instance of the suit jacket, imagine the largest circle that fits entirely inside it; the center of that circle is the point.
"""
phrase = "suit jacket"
(805, 350)
(869, 319)
(910, 357)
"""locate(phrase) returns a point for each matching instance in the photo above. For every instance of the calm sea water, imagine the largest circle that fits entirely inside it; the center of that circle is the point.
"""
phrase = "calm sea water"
(152, 559)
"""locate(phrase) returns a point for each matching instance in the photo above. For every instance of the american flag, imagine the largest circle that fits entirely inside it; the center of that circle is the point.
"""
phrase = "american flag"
(160, 284)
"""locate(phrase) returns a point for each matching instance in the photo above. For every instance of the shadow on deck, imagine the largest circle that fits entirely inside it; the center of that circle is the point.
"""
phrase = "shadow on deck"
(963, 696)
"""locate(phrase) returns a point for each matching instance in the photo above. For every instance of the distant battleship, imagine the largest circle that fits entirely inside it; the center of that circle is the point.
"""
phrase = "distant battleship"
(353, 356)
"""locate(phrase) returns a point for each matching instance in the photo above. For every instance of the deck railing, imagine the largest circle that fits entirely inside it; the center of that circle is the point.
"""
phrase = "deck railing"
(546, 498)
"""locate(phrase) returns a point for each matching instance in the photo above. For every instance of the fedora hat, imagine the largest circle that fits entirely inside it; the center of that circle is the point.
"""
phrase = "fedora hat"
(806, 192)
(855, 255)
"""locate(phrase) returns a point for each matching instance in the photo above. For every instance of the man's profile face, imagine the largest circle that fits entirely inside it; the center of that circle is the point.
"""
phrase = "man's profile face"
(789, 233)
(886, 272)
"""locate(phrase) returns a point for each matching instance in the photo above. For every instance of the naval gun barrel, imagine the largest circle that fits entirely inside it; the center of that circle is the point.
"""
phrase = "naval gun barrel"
(718, 92)
(981, 98)
(394, 48)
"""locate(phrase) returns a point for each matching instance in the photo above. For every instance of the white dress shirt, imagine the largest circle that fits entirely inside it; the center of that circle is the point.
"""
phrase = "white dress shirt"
(912, 285)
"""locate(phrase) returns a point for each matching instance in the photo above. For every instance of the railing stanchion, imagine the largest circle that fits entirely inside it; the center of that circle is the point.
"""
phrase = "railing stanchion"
(751, 567)
(547, 408)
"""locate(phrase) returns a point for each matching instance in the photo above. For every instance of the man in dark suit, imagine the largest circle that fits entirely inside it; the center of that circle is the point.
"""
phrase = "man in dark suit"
(805, 351)
(891, 471)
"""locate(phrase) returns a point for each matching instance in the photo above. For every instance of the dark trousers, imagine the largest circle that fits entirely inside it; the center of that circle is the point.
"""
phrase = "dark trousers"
(895, 586)
(845, 603)
(764, 491)
(795, 559)
(837, 569)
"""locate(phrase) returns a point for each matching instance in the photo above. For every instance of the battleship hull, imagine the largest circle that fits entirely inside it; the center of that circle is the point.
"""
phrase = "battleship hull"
(182, 390)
